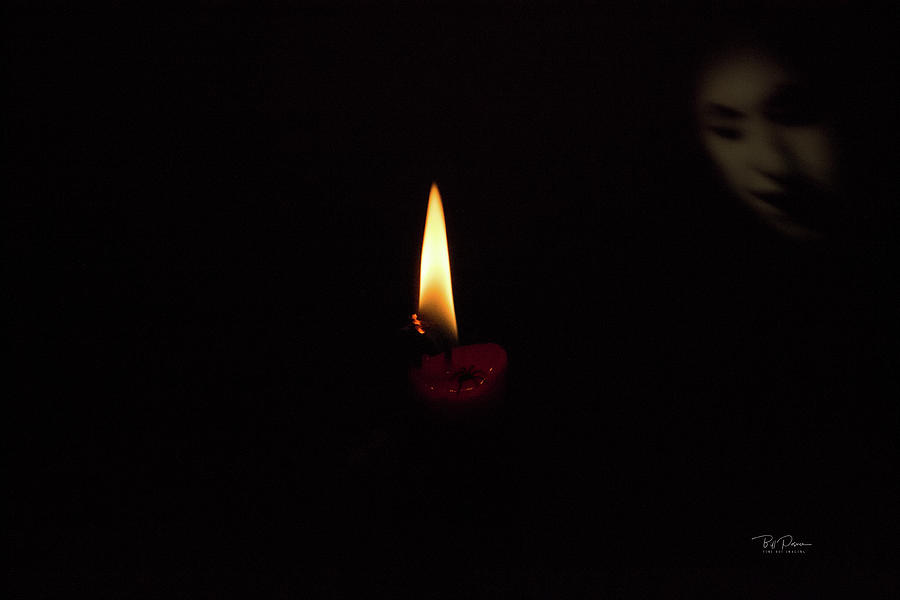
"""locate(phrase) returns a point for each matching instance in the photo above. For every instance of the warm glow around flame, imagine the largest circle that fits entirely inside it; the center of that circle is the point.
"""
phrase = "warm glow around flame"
(435, 291)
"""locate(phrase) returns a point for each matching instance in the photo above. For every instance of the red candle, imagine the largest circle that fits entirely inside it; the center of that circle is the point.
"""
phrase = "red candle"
(472, 374)
(457, 378)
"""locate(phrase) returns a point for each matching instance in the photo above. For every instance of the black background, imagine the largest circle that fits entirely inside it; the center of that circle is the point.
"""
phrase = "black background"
(215, 218)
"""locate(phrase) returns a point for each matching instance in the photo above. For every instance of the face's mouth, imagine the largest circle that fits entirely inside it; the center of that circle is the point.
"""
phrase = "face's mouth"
(796, 203)
(783, 201)
(795, 207)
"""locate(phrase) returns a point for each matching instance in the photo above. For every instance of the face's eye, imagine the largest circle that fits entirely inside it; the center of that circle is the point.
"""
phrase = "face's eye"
(792, 117)
(793, 106)
(727, 133)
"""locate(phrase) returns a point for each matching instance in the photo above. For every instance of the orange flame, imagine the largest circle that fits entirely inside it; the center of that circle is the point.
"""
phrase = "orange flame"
(435, 290)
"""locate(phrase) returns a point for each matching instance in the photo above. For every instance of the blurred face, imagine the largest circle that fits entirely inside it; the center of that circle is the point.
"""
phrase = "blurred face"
(771, 144)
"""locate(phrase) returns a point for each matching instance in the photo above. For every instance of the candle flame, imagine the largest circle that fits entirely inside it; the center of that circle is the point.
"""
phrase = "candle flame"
(435, 290)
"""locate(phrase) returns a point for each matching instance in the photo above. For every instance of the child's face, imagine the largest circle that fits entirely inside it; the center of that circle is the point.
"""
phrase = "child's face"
(768, 140)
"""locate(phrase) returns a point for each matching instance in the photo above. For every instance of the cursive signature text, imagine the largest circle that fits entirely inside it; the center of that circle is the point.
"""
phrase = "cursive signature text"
(770, 542)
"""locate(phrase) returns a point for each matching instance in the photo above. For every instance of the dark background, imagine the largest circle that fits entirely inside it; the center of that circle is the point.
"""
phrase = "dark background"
(215, 219)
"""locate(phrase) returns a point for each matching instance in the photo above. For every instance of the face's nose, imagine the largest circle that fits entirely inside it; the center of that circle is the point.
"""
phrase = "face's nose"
(768, 156)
